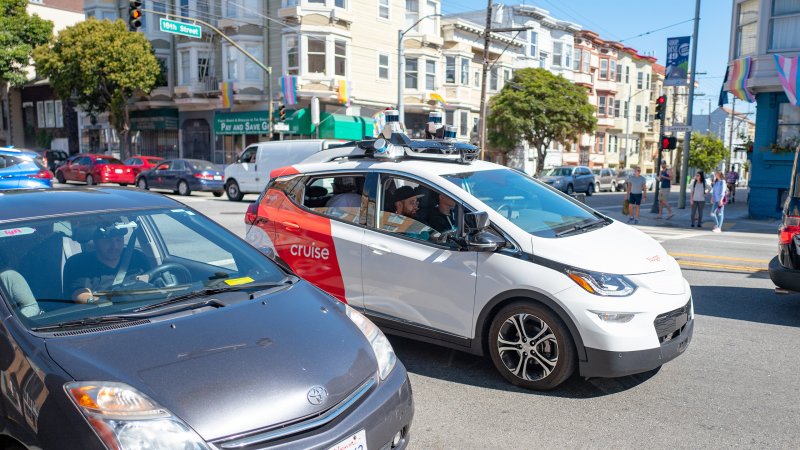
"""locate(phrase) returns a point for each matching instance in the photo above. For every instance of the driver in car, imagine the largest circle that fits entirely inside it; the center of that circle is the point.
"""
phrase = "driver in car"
(94, 271)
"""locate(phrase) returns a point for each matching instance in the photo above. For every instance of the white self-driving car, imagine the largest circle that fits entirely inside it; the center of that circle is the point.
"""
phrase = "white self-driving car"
(435, 245)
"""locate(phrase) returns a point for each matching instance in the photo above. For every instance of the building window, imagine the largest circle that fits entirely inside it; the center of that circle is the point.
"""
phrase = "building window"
(463, 127)
(450, 69)
(601, 106)
(493, 79)
(186, 70)
(383, 66)
(383, 9)
(558, 49)
(506, 76)
(316, 55)
(576, 61)
(568, 57)
(616, 108)
(638, 113)
(610, 106)
(533, 41)
(49, 114)
(203, 61)
(603, 69)
(412, 14)
(587, 59)
(340, 58)
(59, 114)
(465, 71)
(601, 143)
(40, 114)
(747, 28)
(619, 75)
(784, 27)
(430, 74)
(411, 73)
(185, 8)
(647, 86)
(626, 110)
(163, 64)
(291, 52)
(429, 25)
(449, 117)
(647, 113)
(612, 71)
(788, 123)
(233, 64)
(252, 71)
(639, 80)
(477, 77)
(627, 74)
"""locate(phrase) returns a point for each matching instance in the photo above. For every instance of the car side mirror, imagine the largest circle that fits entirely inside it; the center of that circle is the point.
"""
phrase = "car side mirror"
(476, 221)
(479, 237)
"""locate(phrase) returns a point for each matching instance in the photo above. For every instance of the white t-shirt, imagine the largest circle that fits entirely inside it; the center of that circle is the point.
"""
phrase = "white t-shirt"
(698, 192)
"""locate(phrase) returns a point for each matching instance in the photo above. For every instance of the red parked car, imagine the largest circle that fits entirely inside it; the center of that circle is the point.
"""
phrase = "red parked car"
(141, 164)
(93, 169)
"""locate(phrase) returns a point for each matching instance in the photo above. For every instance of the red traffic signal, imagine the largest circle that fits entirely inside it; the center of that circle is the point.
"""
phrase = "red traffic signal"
(669, 142)
(661, 107)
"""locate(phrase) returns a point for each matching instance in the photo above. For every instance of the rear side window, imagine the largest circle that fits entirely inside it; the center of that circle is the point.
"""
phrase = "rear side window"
(339, 197)
(8, 161)
(186, 243)
(178, 165)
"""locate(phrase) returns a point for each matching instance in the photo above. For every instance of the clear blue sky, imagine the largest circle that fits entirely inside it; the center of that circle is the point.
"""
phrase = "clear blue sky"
(623, 19)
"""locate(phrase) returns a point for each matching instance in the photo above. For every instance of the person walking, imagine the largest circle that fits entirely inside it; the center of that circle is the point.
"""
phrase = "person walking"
(718, 191)
(697, 198)
(732, 178)
(665, 178)
(636, 190)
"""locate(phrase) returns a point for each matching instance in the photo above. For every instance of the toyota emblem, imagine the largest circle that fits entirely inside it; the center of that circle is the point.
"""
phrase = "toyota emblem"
(317, 395)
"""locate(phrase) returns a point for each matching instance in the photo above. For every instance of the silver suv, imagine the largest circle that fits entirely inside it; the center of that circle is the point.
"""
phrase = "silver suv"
(604, 179)
(570, 179)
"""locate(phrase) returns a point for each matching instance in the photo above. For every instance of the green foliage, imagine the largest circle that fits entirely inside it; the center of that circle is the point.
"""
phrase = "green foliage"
(706, 151)
(19, 35)
(99, 65)
(540, 108)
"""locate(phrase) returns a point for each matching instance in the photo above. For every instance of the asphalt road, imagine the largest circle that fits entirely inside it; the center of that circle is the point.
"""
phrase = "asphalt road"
(737, 385)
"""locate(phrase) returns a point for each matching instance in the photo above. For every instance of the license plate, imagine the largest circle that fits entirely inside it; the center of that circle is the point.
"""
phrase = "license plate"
(357, 441)
(117, 170)
(217, 177)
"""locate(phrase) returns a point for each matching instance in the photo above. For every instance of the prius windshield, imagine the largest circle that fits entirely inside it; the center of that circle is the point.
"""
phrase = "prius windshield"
(529, 204)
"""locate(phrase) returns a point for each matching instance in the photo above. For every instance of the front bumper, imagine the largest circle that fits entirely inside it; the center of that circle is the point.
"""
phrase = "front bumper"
(384, 412)
(784, 278)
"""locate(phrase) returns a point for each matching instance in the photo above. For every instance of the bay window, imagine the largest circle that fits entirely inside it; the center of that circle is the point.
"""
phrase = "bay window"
(784, 27)
(430, 74)
(533, 42)
(340, 57)
(186, 70)
(558, 49)
(577, 60)
(601, 106)
(412, 14)
(252, 71)
(639, 80)
(449, 69)
(747, 28)
(493, 79)
(586, 61)
(612, 70)
(568, 56)
(290, 49)
(604, 69)
(316, 55)
(464, 71)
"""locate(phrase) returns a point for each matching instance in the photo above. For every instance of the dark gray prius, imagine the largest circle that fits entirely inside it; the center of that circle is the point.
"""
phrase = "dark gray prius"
(130, 321)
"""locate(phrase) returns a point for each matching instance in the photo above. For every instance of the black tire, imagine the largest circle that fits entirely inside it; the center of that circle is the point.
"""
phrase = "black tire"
(233, 191)
(183, 188)
(570, 189)
(89, 180)
(590, 190)
(546, 364)
(217, 193)
(123, 184)
(60, 178)
(613, 187)
(597, 187)
(141, 183)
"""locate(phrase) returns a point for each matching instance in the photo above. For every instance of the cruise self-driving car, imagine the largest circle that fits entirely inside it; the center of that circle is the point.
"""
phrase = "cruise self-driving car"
(434, 245)
(130, 321)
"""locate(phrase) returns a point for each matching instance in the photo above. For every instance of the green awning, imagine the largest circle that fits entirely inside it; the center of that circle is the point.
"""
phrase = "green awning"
(332, 126)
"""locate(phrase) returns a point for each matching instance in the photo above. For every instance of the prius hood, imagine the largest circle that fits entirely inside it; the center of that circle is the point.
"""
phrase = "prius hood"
(233, 369)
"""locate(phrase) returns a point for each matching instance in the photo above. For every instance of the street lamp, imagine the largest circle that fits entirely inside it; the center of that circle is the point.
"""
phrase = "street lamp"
(401, 66)
(628, 123)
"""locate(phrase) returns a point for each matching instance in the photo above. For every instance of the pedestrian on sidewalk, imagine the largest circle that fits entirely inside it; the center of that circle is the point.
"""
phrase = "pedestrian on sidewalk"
(732, 178)
(697, 198)
(718, 200)
(636, 189)
(665, 178)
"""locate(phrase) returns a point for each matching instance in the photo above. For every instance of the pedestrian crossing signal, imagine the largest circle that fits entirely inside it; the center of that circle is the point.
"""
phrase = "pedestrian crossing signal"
(135, 14)
(669, 142)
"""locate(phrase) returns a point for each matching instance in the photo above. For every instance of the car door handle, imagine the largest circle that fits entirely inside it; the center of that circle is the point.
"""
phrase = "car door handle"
(290, 226)
(379, 249)
(260, 221)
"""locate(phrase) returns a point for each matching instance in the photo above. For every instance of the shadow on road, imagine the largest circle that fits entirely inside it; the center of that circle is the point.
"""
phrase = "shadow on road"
(458, 367)
(750, 304)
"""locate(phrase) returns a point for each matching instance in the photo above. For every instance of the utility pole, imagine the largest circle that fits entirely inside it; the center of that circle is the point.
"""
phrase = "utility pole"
(688, 135)
(401, 67)
(484, 71)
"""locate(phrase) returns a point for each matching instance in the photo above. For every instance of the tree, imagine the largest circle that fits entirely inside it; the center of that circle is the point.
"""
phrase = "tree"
(706, 151)
(100, 65)
(19, 35)
(539, 108)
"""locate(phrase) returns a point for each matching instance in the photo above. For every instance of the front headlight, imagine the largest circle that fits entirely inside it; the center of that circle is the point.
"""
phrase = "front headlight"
(558, 182)
(603, 284)
(380, 345)
(125, 419)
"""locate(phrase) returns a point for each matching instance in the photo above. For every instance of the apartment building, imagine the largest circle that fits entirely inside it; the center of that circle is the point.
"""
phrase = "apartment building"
(637, 142)
(760, 30)
(36, 117)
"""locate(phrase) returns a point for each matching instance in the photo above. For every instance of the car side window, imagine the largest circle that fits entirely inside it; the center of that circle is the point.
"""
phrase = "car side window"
(178, 165)
(249, 155)
(336, 196)
(416, 211)
(163, 166)
(9, 161)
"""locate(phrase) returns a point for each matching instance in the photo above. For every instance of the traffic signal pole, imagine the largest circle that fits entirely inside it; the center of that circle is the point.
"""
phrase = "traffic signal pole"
(657, 181)
(688, 135)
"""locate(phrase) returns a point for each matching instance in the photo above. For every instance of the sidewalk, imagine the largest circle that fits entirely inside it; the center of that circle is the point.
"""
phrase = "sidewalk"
(736, 215)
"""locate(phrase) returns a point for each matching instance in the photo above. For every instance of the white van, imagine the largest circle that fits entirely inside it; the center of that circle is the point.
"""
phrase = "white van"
(250, 173)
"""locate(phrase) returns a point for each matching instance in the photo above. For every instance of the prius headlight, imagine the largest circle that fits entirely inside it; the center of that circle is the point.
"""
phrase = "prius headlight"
(603, 284)
(380, 345)
(124, 418)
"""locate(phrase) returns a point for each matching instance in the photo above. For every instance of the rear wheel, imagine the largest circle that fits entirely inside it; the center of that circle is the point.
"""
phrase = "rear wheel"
(233, 191)
(531, 347)
(60, 178)
(597, 187)
(89, 180)
(613, 187)
(142, 184)
(183, 188)
(570, 189)
(217, 193)
(590, 190)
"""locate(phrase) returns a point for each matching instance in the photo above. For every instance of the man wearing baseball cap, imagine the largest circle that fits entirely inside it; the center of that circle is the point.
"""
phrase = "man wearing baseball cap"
(406, 201)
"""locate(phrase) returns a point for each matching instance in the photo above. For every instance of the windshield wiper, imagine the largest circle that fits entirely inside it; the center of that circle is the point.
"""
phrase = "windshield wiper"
(87, 321)
(215, 290)
(584, 227)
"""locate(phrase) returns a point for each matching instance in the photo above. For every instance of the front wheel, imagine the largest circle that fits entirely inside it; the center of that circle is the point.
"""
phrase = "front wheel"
(142, 184)
(531, 347)
(613, 187)
(183, 188)
(233, 191)
(89, 180)
(60, 177)
(590, 190)
(570, 189)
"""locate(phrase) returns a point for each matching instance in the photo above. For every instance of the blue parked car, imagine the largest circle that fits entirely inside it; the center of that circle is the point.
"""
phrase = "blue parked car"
(183, 176)
(22, 169)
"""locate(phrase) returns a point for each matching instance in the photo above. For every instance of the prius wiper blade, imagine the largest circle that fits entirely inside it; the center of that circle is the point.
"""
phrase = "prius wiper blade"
(212, 291)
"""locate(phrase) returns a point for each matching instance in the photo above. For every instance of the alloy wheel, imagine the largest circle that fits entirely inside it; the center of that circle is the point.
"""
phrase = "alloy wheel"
(527, 347)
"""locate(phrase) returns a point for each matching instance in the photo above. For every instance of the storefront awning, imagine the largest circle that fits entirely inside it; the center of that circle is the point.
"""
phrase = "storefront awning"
(332, 126)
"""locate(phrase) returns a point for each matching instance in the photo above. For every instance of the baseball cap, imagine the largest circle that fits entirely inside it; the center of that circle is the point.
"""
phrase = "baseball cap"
(405, 192)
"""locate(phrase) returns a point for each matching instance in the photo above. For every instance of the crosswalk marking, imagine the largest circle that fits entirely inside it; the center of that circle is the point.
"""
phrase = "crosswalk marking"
(662, 234)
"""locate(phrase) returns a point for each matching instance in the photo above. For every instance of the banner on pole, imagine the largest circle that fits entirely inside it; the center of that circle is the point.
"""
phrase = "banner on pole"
(677, 61)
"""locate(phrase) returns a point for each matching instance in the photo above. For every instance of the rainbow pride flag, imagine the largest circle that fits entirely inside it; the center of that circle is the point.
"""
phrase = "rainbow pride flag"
(787, 72)
(738, 79)
(345, 91)
(378, 122)
(289, 88)
(227, 94)
(439, 99)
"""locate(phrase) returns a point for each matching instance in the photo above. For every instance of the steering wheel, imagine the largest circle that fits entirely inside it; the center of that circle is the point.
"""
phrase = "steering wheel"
(507, 214)
(178, 273)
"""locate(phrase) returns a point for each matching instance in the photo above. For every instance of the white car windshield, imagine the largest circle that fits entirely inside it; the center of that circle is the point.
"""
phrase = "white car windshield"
(529, 204)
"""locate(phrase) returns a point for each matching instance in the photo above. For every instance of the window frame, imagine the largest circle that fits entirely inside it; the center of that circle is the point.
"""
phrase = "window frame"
(407, 73)
(793, 16)
(740, 25)
(430, 76)
(307, 180)
(449, 69)
(386, 66)
(465, 67)
(387, 7)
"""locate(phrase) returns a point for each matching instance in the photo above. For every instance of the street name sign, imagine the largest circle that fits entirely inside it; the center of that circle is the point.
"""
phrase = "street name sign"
(180, 28)
(280, 126)
(678, 129)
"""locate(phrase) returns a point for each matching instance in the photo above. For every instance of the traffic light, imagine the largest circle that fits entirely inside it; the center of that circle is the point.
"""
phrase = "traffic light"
(669, 142)
(661, 107)
(135, 14)
(282, 113)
